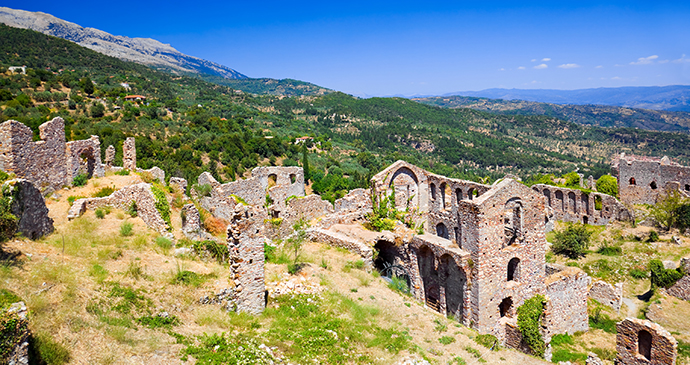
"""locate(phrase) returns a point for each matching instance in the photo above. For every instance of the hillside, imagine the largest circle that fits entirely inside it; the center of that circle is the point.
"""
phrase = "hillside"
(670, 98)
(598, 115)
(141, 50)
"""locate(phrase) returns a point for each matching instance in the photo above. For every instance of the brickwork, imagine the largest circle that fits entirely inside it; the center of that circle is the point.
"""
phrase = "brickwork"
(122, 199)
(607, 294)
(191, 224)
(641, 179)
(29, 206)
(681, 289)
(305, 207)
(109, 156)
(84, 157)
(179, 183)
(246, 245)
(641, 342)
(572, 205)
(129, 154)
(566, 309)
(354, 201)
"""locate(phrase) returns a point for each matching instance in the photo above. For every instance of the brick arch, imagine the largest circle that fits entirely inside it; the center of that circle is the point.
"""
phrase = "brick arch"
(406, 186)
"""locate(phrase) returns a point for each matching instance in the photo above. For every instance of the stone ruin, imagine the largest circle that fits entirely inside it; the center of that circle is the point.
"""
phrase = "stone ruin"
(573, 205)
(607, 294)
(51, 162)
(681, 289)
(28, 205)
(642, 179)
(641, 342)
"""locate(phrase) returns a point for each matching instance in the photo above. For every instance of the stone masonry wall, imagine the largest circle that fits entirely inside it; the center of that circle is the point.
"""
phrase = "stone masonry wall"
(122, 199)
(631, 345)
(572, 205)
(641, 179)
(607, 294)
(129, 154)
(681, 289)
(289, 181)
(42, 162)
(307, 208)
(246, 245)
(109, 156)
(84, 157)
(566, 310)
(29, 206)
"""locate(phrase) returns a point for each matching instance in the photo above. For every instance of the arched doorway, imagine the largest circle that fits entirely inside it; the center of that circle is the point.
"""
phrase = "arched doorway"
(454, 281)
(429, 275)
(406, 188)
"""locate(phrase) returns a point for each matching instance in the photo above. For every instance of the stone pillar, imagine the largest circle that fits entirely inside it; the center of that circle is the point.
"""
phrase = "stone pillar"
(246, 245)
(129, 158)
(109, 156)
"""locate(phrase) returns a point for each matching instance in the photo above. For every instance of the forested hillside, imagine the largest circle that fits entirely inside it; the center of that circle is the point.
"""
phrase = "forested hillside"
(187, 125)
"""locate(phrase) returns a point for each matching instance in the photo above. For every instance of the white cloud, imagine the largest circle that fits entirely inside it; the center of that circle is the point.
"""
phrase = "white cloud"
(645, 60)
(545, 59)
(533, 60)
(521, 68)
(600, 66)
(569, 65)
(501, 69)
(616, 78)
(682, 59)
(663, 61)
(541, 66)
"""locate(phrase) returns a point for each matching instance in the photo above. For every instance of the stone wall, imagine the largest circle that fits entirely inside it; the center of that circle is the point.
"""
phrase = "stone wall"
(280, 183)
(641, 342)
(129, 154)
(607, 294)
(304, 207)
(356, 200)
(109, 157)
(641, 179)
(681, 289)
(122, 199)
(191, 224)
(20, 354)
(566, 309)
(30, 208)
(573, 205)
(340, 240)
(84, 157)
(246, 245)
(179, 183)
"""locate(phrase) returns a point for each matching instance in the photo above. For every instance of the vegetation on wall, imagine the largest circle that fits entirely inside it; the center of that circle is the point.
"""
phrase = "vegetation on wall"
(662, 277)
(529, 322)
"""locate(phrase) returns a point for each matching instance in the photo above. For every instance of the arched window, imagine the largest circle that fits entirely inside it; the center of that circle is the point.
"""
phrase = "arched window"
(505, 307)
(442, 231)
(442, 189)
(432, 187)
(272, 180)
(458, 194)
(293, 178)
(632, 181)
(470, 194)
(644, 344)
(512, 221)
(513, 268)
(458, 236)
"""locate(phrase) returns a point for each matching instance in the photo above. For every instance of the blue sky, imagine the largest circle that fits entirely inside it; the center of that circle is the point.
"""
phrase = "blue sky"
(414, 47)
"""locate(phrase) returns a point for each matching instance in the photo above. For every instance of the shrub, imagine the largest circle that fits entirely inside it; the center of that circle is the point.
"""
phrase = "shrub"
(7, 298)
(203, 189)
(12, 329)
(158, 321)
(653, 236)
(446, 340)
(598, 320)
(100, 213)
(50, 351)
(126, 229)
(572, 241)
(105, 191)
(683, 217)
(80, 180)
(8, 221)
(529, 322)
(662, 277)
(162, 205)
(122, 172)
(132, 209)
(215, 226)
(219, 252)
(608, 184)
(164, 243)
(638, 273)
(488, 341)
(72, 198)
(607, 250)
(664, 212)
(224, 349)
(185, 277)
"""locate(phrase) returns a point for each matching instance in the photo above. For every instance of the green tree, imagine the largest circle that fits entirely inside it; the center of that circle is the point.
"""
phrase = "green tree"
(608, 184)
(666, 208)
(305, 163)
(97, 110)
(87, 85)
(572, 180)
(572, 241)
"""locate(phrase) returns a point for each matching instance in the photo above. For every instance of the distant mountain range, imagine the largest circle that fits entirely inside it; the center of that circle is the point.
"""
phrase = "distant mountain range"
(141, 50)
(671, 98)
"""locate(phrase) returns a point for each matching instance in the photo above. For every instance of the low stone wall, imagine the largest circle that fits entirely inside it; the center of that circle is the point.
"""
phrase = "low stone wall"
(566, 310)
(156, 172)
(191, 224)
(30, 208)
(607, 294)
(307, 208)
(339, 218)
(641, 342)
(340, 240)
(681, 289)
(122, 199)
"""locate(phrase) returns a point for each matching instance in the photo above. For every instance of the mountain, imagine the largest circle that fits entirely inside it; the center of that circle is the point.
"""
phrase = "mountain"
(141, 50)
(671, 98)
(599, 115)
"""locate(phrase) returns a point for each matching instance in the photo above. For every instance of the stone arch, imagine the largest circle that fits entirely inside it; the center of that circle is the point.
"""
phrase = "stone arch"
(458, 195)
(644, 344)
(512, 221)
(432, 188)
(470, 193)
(427, 271)
(293, 178)
(447, 196)
(272, 180)
(572, 202)
(513, 269)
(442, 190)
(584, 199)
(454, 282)
(559, 200)
(406, 186)
(547, 194)
(442, 231)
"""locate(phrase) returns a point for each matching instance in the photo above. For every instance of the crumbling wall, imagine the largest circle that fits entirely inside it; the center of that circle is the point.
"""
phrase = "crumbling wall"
(30, 208)
(191, 224)
(109, 157)
(573, 205)
(129, 154)
(354, 201)
(566, 309)
(641, 342)
(140, 193)
(42, 162)
(19, 355)
(84, 157)
(607, 294)
(307, 208)
(642, 179)
(280, 183)
(681, 289)
(246, 246)
(179, 183)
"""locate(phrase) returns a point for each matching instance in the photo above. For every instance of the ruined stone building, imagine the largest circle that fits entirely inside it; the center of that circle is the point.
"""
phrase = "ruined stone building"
(641, 179)
(51, 161)
(484, 255)
(641, 342)
(577, 206)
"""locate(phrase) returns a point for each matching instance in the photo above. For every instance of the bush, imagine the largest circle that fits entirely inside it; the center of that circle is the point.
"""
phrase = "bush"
(100, 214)
(50, 351)
(219, 252)
(683, 217)
(488, 341)
(126, 229)
(638, 273)
(446, 340)
(80, 180)
(106, 191)
(8, 221)
(203, 189)
(665, 210)
(162, 205)
(608, 184)
(653, 236)
(607, 250)
(572, 242)
(600, 321)
(122, 172)
(529, 322)
(164, 243)
(662, 277)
